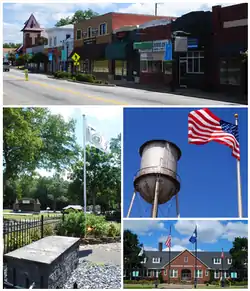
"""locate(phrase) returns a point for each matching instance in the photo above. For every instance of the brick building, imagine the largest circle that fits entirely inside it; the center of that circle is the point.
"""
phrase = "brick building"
(182, 266)
(93, 36)
(230, 40)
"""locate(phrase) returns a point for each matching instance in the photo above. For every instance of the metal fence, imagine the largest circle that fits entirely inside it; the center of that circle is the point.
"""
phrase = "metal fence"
(18, 233)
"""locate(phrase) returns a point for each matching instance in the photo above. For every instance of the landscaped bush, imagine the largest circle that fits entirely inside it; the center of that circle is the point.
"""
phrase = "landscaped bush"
(85, 78)
(73, 225)
(141, 282)
(114, 229)
(62, 75)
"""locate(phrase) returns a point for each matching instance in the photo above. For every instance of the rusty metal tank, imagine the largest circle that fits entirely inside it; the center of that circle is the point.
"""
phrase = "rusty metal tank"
(158, 160)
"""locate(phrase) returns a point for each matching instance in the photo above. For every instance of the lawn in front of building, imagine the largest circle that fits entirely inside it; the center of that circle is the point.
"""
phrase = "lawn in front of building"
(29, 216)
(139, 286)
(219, 287)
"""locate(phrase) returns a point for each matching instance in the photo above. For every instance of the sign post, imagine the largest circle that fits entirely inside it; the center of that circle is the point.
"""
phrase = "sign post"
(76, 59)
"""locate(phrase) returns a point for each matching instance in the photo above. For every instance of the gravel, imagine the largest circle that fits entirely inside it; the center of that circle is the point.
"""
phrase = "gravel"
(90, 275)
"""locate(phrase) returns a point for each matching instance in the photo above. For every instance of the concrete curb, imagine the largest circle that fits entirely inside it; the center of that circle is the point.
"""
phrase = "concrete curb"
(84, 83)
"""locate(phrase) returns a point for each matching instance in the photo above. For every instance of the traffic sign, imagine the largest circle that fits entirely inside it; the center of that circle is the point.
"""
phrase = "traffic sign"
(76, 57)
(76, 63)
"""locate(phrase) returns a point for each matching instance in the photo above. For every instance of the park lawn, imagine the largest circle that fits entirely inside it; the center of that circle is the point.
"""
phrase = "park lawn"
(138, 286)
(33, 216)
(218, 287)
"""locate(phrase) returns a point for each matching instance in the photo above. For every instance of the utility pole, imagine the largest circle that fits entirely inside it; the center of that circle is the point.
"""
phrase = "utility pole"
(156, 6)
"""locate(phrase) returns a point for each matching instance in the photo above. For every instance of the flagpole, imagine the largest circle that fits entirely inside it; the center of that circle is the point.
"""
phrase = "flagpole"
(195, 272)
(169, 257)
(84, 165)
(222, 266)
(131, 204)
(238, 178)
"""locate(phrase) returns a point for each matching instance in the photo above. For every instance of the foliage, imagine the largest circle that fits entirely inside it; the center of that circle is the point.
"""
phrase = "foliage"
(131, 250)
(160, 278)
(11, 45)
(79, 15)
(239, 253)
(149, 281)
(85, 78)
(73, 225)
(34, 138)
(39, 58)
(62, 75)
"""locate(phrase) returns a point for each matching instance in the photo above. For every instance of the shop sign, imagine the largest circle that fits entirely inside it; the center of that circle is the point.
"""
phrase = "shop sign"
(91, 40)
(146, 57)
(159, 45)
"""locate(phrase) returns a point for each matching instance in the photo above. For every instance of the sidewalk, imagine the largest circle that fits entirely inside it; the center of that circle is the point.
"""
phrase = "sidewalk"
(186, 92)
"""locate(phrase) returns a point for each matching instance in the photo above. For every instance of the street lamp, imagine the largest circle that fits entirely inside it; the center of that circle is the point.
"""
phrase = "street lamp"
(174, 56)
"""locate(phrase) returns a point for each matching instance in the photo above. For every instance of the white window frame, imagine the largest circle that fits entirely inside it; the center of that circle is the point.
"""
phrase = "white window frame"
(216, 261)
(156, 260)
(80, 34)
(206, 273)
(199, 274)
(89, 32)
(145, 260)
(173, 273)
(100, 30)
(216, 274)
(185, 259)
(229, 261)
(193, 57)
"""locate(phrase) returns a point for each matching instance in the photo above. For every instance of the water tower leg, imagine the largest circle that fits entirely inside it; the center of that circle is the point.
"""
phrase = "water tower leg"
(155, 205)
(177, 206)
(131, 204)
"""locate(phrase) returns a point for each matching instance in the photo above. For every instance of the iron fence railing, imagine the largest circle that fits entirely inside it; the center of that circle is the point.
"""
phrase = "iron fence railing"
(18, 233)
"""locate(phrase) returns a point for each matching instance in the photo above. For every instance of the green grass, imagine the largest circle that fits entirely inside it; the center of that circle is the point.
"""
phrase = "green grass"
(219, 287)
(27, 217)
(138, 286)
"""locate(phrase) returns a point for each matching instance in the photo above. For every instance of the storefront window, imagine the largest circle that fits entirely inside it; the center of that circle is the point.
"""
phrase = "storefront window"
(167, 68)
(195, 62)
(151, 66)
(101, 66)
(230, 71)
(120, 68)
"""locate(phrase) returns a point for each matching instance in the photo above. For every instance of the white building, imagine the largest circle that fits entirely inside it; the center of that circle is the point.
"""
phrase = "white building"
(60, 45)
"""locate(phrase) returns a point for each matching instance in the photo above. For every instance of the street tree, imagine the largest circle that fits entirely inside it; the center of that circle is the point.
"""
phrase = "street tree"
(239, 253)
(131, 252)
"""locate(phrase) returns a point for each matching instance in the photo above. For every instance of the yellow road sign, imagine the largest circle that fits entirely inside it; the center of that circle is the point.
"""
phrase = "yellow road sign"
(76, 63)
(76, 57)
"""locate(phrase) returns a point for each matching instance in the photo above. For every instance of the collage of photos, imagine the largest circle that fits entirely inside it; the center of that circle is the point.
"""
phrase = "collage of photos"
(125, 145)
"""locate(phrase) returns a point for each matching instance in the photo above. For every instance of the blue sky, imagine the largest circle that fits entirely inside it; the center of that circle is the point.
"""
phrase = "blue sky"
(207, 172)
(47, 14)
(213, 235)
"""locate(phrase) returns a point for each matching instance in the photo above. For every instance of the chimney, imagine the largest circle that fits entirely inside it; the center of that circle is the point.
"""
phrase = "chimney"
(160, 246)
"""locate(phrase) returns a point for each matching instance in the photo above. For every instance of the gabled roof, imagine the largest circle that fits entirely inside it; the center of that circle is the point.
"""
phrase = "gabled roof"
(205, 257)
(31, 24)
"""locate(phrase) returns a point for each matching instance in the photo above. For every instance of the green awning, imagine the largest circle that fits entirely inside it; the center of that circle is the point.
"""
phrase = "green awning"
(116, 51)
(145, 45)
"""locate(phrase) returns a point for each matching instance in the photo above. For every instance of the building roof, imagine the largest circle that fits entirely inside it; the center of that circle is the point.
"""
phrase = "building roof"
(77, 207)
(68, 26)
(31, 24)
(205, 257)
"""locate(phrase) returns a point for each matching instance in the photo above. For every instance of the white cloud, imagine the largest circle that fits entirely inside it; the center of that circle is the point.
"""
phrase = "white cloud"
(148, 248)
(12, 33)
(180, 248)
(143, 227)
(48, 14)
(209, 231)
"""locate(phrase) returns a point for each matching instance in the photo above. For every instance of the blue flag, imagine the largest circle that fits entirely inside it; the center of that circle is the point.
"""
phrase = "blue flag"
(193, 238)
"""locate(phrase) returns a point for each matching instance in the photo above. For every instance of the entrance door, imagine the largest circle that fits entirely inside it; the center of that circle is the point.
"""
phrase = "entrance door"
(186, 275)
(182, 73)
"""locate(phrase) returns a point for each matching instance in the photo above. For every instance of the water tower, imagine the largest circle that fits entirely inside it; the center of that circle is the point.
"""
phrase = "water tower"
(157, 180)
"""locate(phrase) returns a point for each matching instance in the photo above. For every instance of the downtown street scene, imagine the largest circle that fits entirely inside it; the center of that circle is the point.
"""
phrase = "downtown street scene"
(140, 54)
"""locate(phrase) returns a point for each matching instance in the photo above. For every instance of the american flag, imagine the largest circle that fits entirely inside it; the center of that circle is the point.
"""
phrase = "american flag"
(204, 126)
(168, 242)
(222, 254)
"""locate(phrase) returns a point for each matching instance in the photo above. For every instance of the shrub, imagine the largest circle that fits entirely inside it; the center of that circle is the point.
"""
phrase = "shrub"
(85, 78)
(73, 225)
(48, 230)
(160, 277)
(98, 224)
(114, 230)
(62, 75)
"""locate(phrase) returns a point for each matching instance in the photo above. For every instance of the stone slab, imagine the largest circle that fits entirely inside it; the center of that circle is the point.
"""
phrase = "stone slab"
(45, 250)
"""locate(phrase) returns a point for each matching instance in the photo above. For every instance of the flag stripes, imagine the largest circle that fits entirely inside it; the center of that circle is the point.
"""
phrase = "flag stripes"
(168, 242)
(204, 126)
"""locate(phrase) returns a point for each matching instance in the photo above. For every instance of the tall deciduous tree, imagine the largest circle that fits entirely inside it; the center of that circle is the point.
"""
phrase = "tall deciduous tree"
(131, 252)
(79, 15)
(34, 138)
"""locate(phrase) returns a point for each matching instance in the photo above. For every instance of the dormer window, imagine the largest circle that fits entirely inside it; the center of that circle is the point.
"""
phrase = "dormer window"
(32, 24)
(144, 261)
(229, 261)
(185, 259)
(217, 261)
(156, 260)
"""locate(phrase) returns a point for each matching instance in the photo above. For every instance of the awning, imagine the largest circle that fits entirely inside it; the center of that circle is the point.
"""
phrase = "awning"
(116, 51)
(145, 45)
(90, 51)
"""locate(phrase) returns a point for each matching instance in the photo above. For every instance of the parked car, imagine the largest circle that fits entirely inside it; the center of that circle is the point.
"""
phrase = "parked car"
(6, 66)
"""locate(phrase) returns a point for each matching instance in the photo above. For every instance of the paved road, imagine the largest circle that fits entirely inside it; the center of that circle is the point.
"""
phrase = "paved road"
(41, 90)
(102, 253)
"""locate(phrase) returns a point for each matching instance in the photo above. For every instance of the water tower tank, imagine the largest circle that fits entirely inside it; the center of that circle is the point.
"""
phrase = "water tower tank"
(158, 159)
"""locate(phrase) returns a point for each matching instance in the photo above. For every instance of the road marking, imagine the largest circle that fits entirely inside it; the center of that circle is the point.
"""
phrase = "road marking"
(112, 101)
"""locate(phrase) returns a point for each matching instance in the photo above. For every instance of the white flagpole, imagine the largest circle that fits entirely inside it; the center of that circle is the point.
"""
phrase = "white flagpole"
(84, 166)
(238, 178)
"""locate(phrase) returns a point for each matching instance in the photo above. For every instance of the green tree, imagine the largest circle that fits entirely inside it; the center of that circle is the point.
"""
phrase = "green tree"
(131, 252)
(239, 253)
(11, 57)
(79, 15)
(39, 58)
(11, 45)
(33, 138)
